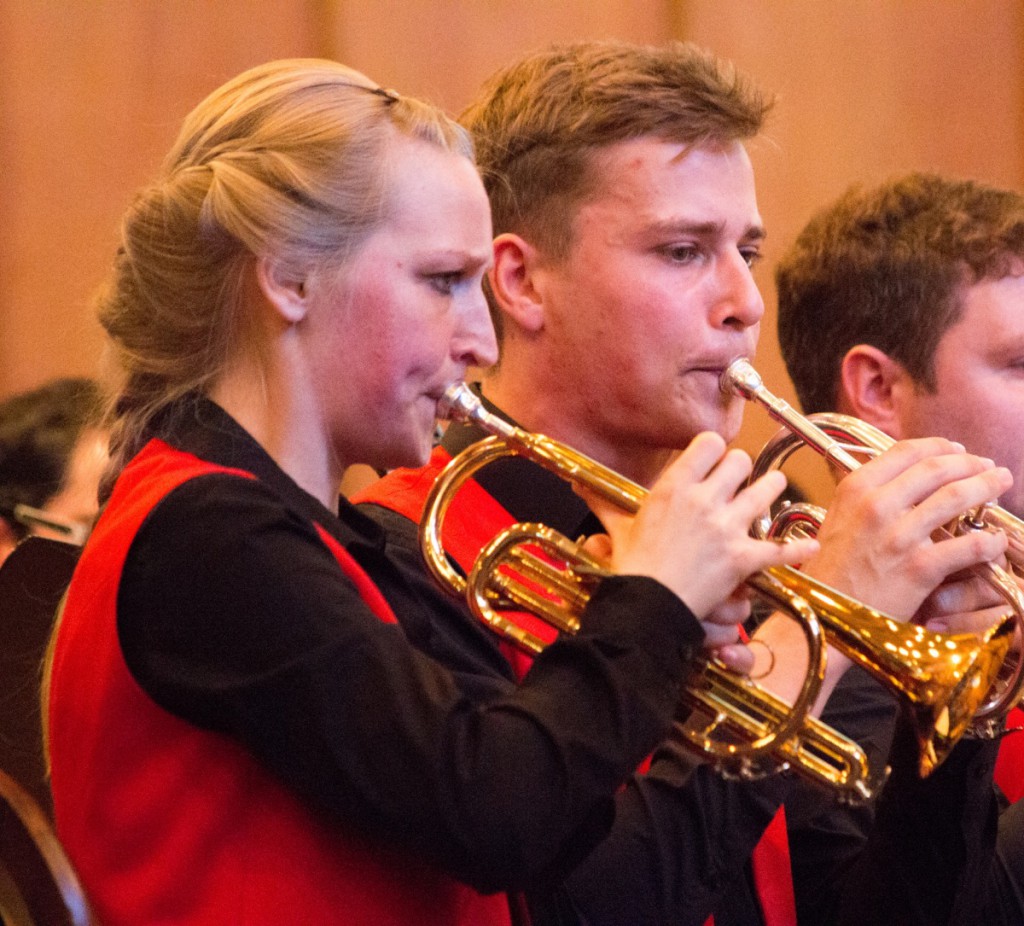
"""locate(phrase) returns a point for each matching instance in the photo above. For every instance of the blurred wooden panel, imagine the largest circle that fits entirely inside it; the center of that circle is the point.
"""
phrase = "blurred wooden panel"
(92, 95)
(443, 49)
(867, 89)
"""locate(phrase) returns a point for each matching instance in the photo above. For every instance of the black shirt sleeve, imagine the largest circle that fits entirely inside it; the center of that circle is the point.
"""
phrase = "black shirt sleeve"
(1003, 904)
(921, 853)
(679, 849)
(680, 845)
(930, 853)
(825, 837)
(234, 615)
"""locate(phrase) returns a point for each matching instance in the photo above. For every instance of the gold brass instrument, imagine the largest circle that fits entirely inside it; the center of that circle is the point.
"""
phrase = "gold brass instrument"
(841, 440)
(743, 730)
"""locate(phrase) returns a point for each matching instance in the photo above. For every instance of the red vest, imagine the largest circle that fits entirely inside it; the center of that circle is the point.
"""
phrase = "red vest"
(473, 518)
(1010, 761)
(167, 823)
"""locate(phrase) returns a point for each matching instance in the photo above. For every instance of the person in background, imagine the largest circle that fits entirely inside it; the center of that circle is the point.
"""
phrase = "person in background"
(901, 304)
(240, 730)
(626, 230)
(52, 453)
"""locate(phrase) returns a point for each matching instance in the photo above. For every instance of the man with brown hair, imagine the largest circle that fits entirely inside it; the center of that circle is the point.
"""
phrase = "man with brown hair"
(901, 305)
(626, 227)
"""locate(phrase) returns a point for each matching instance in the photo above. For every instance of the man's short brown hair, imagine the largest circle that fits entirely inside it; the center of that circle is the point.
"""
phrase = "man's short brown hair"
(537, 123)
(887, 267)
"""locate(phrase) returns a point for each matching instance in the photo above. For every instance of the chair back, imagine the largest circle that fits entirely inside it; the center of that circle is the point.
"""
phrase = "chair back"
(38, 885)
(32, 580)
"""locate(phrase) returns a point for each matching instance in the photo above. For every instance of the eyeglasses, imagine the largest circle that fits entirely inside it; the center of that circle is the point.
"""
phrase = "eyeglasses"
(71, 531)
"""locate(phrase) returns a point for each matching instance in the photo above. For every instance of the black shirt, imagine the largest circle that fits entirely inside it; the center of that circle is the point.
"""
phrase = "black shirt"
(682, 838)
(234, 615)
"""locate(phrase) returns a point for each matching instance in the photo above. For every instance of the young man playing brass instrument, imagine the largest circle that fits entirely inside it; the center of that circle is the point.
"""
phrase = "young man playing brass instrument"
(626, 227)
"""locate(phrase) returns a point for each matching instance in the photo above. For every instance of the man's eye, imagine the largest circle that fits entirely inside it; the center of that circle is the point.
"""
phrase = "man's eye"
(681, 253)
(444, 283)
(751, 256)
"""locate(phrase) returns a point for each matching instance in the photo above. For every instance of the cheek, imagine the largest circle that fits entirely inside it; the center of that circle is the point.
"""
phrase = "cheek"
(966, 417)
(612, 297)
(410, 364)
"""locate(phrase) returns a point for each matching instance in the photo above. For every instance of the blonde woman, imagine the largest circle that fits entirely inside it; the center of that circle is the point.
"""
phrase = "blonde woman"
(239, 730)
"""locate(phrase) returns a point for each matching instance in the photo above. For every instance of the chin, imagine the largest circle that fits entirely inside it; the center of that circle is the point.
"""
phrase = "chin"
(727, 426)
(412, 454)
(422, 458)
(692, 416)
(729, 431)
(408, 444)
(728, 421)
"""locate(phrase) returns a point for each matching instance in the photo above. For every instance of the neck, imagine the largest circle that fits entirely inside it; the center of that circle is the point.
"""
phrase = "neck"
(274, 404)
(549, 412)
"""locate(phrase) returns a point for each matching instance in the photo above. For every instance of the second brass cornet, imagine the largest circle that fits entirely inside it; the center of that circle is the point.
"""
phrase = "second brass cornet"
(919, 669)
(742, 729)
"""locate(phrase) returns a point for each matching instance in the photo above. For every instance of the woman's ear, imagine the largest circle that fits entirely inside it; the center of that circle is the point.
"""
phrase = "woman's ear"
(282, 289)
(513, 282)
(872, 386)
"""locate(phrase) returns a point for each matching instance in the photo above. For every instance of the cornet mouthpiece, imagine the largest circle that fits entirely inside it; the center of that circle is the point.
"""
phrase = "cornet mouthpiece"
(740, 378)
(457, 403)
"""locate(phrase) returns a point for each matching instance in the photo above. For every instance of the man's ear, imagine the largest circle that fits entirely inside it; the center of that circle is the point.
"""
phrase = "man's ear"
(513, 282)
(282, 289)
(872, 386)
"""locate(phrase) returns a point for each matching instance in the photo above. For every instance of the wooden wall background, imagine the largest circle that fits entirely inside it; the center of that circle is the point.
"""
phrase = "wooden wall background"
(92, 92)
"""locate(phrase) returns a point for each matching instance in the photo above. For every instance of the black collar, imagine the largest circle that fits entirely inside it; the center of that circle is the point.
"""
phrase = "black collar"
(199, 426)
(525, 490)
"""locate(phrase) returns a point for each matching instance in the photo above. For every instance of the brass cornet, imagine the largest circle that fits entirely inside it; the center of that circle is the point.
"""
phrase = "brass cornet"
(842, 440)
(747, 732)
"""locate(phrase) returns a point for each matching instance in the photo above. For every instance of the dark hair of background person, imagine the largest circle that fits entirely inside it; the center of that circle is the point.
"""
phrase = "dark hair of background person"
(38, 431)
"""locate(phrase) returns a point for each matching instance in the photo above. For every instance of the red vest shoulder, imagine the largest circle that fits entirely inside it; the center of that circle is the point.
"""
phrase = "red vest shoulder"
(170, 823)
